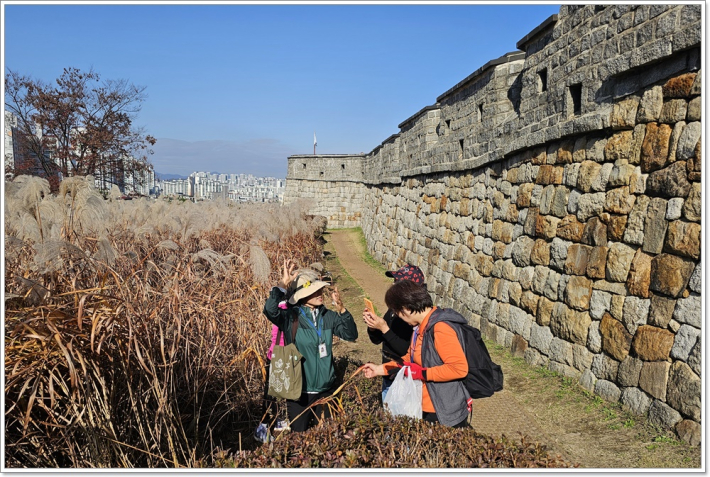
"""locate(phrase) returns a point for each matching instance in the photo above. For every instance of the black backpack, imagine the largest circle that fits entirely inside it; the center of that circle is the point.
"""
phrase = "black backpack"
(484, 376)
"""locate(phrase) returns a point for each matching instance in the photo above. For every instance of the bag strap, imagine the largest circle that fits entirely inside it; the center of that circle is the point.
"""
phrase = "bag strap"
(294, 328)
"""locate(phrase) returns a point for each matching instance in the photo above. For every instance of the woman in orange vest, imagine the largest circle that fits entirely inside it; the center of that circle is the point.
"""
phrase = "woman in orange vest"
(435, 356)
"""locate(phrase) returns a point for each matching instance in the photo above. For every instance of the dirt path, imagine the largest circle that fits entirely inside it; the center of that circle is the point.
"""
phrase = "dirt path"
(534, 402)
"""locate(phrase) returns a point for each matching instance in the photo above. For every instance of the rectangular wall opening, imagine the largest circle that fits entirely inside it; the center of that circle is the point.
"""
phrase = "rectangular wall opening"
(575, 98)
(460, 148)
(480, 112)
(542, 80)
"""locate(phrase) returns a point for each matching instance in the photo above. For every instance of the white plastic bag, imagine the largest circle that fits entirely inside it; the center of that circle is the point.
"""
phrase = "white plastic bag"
(404, 397)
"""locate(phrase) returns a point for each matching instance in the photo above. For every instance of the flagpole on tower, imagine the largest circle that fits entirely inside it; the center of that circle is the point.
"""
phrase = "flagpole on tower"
(315, 143)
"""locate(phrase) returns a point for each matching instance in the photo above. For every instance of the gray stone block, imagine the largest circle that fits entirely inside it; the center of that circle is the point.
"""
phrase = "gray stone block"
(685, 340)
(607, 390)
(635, 401)
(688, 310)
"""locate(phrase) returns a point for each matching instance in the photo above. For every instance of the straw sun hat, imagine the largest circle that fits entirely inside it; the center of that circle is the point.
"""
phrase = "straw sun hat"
(305, 285)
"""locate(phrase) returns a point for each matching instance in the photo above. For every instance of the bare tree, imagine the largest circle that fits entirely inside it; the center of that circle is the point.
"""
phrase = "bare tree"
(81, 126)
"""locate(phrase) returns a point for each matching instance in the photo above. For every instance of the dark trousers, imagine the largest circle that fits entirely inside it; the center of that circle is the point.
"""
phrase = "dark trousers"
(268, 402)
(308, 418)
(431, 417)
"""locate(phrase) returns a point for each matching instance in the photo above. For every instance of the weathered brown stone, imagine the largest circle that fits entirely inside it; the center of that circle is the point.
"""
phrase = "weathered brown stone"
(619, 201)
(498, 250)
(540, 254)
(571, 325)
(654, 378)
(577, 258)
(661, 312)
(528, 302)
(502, 231)
(588, 173)
(564, 153)
(544, 311)
(512, 214)
(619, 146)
(692, 208)
(483, 264)
(524, 194)
(618, 262)
(679, 87)
(654, 150)
(569, 228)
(578, 293)
(683, 239)
(596, 266)
(640, 275)
(670, 274)
(595, 232)
(518, 347)
(669, 182)
(615, 227)
(530, 225)
(616, 341)
(623, 115)
(684, 390)
(549, 174)
(539, 156)
(655, 225)
(689, 431)
(494, 287)
(546, 226)
(652, 344)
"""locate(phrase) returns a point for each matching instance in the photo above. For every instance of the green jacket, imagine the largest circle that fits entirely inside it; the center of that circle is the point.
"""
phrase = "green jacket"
(318, 373)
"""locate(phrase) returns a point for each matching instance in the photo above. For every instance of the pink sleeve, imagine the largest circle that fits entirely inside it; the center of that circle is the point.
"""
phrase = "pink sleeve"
(274, 334)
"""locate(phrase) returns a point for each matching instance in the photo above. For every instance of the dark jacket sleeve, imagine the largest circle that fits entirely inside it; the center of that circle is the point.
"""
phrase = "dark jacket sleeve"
(344, 325)
(397, 343)
(272, 311)
(375, 335)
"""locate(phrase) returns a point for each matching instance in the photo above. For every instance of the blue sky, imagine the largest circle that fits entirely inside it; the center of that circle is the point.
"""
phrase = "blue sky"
(238, 88)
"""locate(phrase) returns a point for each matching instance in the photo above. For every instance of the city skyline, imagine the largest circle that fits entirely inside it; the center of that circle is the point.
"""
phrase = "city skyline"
(247, 85)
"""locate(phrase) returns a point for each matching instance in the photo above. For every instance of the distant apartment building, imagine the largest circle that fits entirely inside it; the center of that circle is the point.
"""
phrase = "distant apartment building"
(235, 187)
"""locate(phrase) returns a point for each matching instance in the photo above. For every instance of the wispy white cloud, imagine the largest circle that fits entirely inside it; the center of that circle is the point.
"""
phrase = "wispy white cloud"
(261, 157)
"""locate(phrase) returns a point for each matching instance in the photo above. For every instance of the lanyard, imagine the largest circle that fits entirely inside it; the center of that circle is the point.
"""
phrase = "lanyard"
(414, 342)
(317, 328)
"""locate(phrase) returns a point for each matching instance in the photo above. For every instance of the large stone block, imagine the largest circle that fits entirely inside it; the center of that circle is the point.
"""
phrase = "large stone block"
(540, 252)
(654, 150)
(688, 310)
(578, 293)
(596, 266)
(570, 325)
(635, 313)
(689, 431)
(685, 339)
(640, 275)
(661, 312)
(595, 232)
(619, 146)
(616, 226)
(590, 205)
(616, 341)
(569, 228)
(652, 344)
(650, 105)
(662, 415)
(623, 115)
(654, 378)
(669, 182)
(629, 371)
(618, 262)
(607, 390)
(588, 173)
(522, 249)
(655, 226)
(692, 208)
(674, 110)
(619, 201)
(679, 87)
(577, 258)
(633, 234)
(683, 239)
(684, 389)
(558, 253)
(549, 174)
(605, 367)
(635, 401)
(670, 274)
(546, 226)
(558, 208)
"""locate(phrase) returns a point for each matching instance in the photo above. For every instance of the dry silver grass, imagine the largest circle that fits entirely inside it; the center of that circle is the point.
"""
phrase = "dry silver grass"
(260, 264)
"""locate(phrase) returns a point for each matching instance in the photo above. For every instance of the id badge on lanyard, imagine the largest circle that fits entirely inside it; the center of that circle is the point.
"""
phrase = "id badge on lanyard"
(322, 350)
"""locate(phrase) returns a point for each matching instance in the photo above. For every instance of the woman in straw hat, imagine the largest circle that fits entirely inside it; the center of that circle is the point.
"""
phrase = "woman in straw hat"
(314, 327)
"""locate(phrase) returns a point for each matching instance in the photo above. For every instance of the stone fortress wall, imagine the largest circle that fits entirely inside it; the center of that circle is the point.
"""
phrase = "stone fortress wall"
(553, 197)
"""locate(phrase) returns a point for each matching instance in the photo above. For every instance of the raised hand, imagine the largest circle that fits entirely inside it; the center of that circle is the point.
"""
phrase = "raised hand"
(337, 302)
(375, 322)
(288, 273)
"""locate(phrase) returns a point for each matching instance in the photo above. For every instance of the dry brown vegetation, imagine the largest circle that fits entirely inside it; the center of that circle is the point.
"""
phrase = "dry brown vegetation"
(133, 329)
